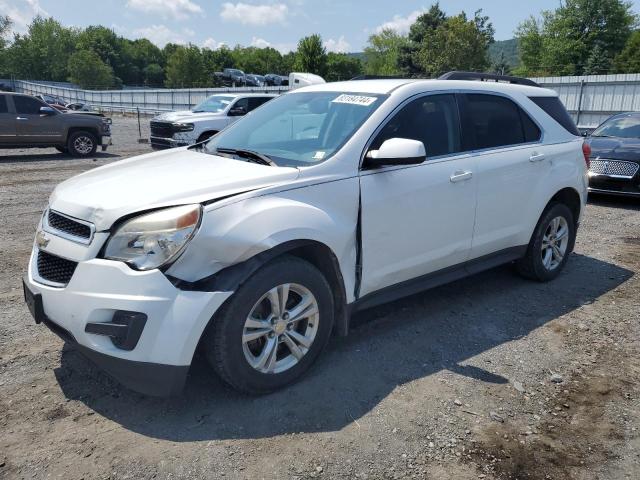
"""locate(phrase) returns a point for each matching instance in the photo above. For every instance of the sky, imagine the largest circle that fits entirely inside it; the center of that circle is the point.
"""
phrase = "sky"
(343, 25)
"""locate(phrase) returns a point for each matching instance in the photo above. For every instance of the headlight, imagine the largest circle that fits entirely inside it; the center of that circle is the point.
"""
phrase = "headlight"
(152, 240)
(182, 127)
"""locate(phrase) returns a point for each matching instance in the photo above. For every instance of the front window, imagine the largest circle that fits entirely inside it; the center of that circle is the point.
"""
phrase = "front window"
(213, 104)
(299, 129)
(625, 127)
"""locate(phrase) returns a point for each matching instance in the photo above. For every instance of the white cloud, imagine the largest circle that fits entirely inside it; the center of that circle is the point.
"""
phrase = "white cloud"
(260, 43)
(212, 44)
(254, 14)
(399, 23)
(22, 12)
(161, 35)
(178, 9)
(338, 46)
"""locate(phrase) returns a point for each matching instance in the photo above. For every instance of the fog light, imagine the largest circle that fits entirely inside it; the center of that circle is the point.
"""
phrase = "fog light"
(124, 329)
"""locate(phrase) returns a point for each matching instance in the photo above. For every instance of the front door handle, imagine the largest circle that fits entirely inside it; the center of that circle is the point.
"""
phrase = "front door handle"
(536, 157)
(460, 176)
(21, 118)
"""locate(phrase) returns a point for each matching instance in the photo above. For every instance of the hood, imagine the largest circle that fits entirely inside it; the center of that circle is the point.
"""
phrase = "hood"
(187, 116)
(615, 148)
(166, 178)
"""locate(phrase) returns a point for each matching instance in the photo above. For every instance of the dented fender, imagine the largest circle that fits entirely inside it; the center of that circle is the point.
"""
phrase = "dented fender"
(326, 213)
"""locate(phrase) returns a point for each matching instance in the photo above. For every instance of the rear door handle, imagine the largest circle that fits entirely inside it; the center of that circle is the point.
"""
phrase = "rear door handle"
(460, 176)
(21, 118)
(536, 157)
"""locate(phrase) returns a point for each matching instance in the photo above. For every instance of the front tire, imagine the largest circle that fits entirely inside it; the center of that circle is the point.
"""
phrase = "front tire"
(551, 244)
(274, 327)
(82, 144)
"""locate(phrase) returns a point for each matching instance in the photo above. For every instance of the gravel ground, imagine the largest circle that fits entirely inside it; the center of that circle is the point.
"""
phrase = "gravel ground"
(489, 377)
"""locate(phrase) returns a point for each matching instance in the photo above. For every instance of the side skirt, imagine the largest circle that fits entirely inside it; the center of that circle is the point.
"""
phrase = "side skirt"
(435, 279)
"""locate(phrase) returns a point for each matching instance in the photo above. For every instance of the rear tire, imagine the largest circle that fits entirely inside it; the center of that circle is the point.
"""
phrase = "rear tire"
(82, 144)
(257, 346)
(550, 246)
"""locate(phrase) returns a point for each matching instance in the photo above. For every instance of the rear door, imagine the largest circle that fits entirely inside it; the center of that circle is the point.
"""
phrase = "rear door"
(418, 219)
(510, 162)
(33, 126)
(7, 122)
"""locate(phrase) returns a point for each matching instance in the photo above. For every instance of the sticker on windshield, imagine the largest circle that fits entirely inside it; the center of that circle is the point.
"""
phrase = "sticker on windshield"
(355, 99)
(319, 155)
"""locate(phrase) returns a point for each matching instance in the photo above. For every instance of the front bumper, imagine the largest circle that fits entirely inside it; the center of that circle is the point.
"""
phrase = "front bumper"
(615, 186)
(176, 319)
(105, 142)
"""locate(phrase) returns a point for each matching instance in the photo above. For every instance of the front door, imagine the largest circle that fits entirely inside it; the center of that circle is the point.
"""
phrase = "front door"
(33, 126)
(418, 219)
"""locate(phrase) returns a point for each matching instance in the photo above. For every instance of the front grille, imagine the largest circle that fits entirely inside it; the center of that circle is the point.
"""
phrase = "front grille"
(55, 269)
(68, 225)
(618, 168)
(161, 129)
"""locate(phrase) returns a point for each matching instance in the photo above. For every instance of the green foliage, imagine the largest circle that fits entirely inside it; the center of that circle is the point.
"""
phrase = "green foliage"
(628, 61)
(88, 71)
(257, 60)
(311, 56)
(438, 43)
(5, 26)
(341, 66)
(578, 37)
(504, 50)
(383, 52)
(185, 68)
(42, 53)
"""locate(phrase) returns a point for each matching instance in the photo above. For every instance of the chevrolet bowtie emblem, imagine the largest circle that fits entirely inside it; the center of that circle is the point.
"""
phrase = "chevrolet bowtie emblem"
(41, 239)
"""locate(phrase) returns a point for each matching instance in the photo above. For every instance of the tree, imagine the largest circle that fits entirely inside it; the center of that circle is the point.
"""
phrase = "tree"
(153, 75)
(424, 25)
(456, 43)
(89, 71)
(501, 67)
(311, 56)
(628, 61)
(564, 39)
(5, 26)
(43, 52)
(185, 68)
(341, 66)
(598, 62)
(383, 52)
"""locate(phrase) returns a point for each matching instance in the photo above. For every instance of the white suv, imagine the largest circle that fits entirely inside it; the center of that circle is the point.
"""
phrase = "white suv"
(258, 244)
(187, 127)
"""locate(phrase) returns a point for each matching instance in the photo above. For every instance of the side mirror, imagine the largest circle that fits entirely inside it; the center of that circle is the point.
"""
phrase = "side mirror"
(237, 111)
(397, 151)
(47, 111)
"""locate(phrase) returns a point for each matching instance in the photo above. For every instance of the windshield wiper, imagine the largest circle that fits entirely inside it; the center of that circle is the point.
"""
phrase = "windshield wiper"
(250, 155)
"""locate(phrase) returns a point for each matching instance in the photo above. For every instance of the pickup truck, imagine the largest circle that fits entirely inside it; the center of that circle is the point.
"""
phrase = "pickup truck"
(28, 122)
(177, 129)
(230, 77)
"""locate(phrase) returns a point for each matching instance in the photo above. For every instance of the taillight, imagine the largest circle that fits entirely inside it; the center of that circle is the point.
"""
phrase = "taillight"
(586, 151)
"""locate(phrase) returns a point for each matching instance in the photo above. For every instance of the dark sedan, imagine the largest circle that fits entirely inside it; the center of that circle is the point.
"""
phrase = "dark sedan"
(615, 156)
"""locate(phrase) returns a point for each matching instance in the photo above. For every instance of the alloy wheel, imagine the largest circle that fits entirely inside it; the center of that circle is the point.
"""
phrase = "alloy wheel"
(554, 243)
(280, 328)
(83, 145)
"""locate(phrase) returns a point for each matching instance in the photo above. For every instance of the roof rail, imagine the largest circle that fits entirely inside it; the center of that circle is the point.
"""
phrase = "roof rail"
(379, 77)
(483, 77)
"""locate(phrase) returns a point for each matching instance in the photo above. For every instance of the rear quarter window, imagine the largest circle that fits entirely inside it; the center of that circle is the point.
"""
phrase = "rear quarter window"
(555, 109)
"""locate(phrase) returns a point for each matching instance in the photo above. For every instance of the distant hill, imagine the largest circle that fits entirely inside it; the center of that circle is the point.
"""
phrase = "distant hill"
(358, 55)
(510, 49)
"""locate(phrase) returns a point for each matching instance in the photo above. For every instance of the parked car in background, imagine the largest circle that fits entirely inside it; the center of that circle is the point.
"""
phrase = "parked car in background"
(230, 77)
(177, 129)
(257, 245)
(28, 122)
(53, 101)
(615, 156)
(274, 80)
(253, 80)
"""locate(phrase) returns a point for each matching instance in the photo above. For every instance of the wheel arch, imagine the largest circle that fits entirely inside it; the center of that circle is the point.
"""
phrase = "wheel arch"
(206, 135)
(316, 253)
(92, 130)
(571, 198)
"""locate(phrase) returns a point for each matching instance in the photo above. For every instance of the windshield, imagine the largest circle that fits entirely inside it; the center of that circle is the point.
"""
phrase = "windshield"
(213, 104)
(299, 129)
(625, 127)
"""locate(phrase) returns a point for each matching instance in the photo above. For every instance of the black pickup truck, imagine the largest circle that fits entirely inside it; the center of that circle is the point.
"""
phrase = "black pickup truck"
(27, 122)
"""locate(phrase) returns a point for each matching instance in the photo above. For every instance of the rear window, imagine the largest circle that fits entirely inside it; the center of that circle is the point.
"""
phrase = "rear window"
(555, 109)
(494, 121)
(3, 104)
